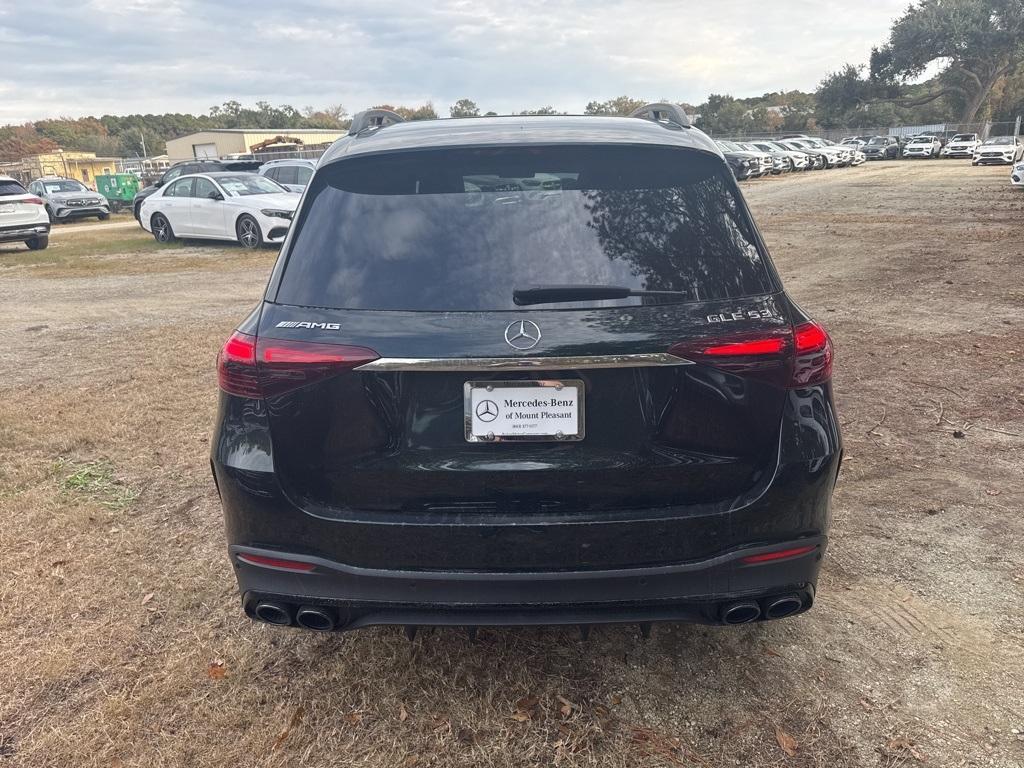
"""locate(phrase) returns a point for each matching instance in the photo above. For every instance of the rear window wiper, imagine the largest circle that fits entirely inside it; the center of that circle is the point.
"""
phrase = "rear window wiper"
(552, 294)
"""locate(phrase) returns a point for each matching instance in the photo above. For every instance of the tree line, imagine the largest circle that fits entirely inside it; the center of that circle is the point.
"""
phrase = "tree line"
(976, 45)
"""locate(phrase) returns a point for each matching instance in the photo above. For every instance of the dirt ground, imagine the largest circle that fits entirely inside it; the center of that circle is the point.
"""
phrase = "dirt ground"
(121, 638)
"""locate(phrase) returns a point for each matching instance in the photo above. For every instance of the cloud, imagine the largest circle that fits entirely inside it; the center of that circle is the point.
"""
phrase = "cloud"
(126, 56)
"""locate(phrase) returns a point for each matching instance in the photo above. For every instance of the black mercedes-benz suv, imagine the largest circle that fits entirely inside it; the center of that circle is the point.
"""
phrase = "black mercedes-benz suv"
(525, 370)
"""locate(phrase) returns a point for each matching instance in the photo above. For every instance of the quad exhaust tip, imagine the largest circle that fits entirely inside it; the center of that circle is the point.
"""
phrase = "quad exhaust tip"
(317, 619)
(273, 613)
(782, 606)
(741, 612)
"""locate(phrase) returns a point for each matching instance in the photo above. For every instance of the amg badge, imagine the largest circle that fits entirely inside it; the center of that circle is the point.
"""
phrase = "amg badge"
(304, 324)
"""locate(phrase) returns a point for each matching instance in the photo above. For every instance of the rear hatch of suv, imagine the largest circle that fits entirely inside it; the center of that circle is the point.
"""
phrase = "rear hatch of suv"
(392, 319)
(17, 207)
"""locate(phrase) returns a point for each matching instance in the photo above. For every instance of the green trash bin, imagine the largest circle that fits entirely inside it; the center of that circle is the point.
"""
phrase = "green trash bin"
(118, 188)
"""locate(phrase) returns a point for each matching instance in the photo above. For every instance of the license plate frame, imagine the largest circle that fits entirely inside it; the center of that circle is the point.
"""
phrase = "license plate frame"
(537, 386)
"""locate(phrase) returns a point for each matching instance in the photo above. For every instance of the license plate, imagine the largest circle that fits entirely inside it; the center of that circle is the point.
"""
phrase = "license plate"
(6, 209)
(541, 411)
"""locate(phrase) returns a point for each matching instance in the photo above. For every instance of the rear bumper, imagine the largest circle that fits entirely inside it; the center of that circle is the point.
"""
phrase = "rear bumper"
(23, 232)
(695, 592)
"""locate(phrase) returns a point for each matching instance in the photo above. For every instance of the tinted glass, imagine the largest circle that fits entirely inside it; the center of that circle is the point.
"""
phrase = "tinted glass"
(180, 188)
(303, 175)
(10, 187)
(172, 174)
(286, 175)
(203, 188)
(459, 229)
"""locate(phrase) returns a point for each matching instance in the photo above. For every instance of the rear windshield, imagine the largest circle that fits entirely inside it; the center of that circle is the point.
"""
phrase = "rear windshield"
(10, 187)
(458, 230)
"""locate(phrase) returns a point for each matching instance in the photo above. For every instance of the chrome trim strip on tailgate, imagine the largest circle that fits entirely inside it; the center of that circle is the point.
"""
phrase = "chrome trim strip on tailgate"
(652, 360)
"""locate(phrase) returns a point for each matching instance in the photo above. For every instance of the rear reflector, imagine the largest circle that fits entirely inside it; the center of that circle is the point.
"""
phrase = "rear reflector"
(276, 562)
(257, 369)
(781, 554)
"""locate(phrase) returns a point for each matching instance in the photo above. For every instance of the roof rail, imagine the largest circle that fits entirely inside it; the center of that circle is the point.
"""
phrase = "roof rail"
(662, 112)
(371, 118)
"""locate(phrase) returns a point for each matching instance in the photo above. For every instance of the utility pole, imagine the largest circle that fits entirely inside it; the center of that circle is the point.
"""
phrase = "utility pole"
(143, 137)
(1016, 127)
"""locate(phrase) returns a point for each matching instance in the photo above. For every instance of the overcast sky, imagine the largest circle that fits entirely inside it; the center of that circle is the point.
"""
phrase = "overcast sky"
(91, 57)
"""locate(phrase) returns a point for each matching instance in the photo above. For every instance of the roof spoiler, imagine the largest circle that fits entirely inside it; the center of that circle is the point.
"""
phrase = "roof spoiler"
(373, 118)
(662, 112)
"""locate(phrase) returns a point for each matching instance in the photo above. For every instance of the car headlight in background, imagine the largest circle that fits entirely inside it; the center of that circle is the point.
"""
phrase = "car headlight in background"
(1019, 167)
(277, 214)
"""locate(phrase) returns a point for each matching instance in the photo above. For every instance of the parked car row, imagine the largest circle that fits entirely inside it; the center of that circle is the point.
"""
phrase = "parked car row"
(752, 158)
(994, 150)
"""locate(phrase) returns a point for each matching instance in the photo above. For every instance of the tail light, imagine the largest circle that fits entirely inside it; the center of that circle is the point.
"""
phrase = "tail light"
(797, 358)
(236, 366)
(812, 363)
(33, 201)
(253, 368)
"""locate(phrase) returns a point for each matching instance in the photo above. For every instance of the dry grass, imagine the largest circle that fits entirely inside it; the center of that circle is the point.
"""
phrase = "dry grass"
(123, 643)
(89, 251)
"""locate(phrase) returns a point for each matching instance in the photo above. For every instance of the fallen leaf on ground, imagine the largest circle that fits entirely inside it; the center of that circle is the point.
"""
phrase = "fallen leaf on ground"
(403, 713)
(566, 707)
(147, 598)
(524, 708)
(216, 670)
(353, 718)
(292, 723)
(786, 742)
(904, 744)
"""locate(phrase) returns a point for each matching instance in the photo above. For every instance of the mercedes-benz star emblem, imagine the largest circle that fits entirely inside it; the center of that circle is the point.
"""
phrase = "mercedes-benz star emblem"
(522, 334)
(487, 410)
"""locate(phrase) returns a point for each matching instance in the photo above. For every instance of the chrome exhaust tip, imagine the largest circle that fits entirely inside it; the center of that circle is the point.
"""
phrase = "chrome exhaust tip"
(741, 613)
(273, 613)
(782, 606)
(317, 619)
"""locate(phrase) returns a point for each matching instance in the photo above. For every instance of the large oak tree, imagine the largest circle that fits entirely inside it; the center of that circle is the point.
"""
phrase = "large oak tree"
(976, 42)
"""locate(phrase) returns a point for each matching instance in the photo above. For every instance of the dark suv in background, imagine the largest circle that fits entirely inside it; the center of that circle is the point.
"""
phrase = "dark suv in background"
(190, 166)
(882, 148)
(525, 370)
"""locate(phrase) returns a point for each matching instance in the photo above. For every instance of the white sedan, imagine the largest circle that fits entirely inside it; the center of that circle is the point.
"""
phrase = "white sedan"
(244, 207)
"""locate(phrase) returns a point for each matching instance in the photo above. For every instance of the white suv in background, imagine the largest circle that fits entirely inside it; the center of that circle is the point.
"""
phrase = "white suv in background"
(922, 146)
(23, 216)
(69, 199)
(961, 145)
(293, 174)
